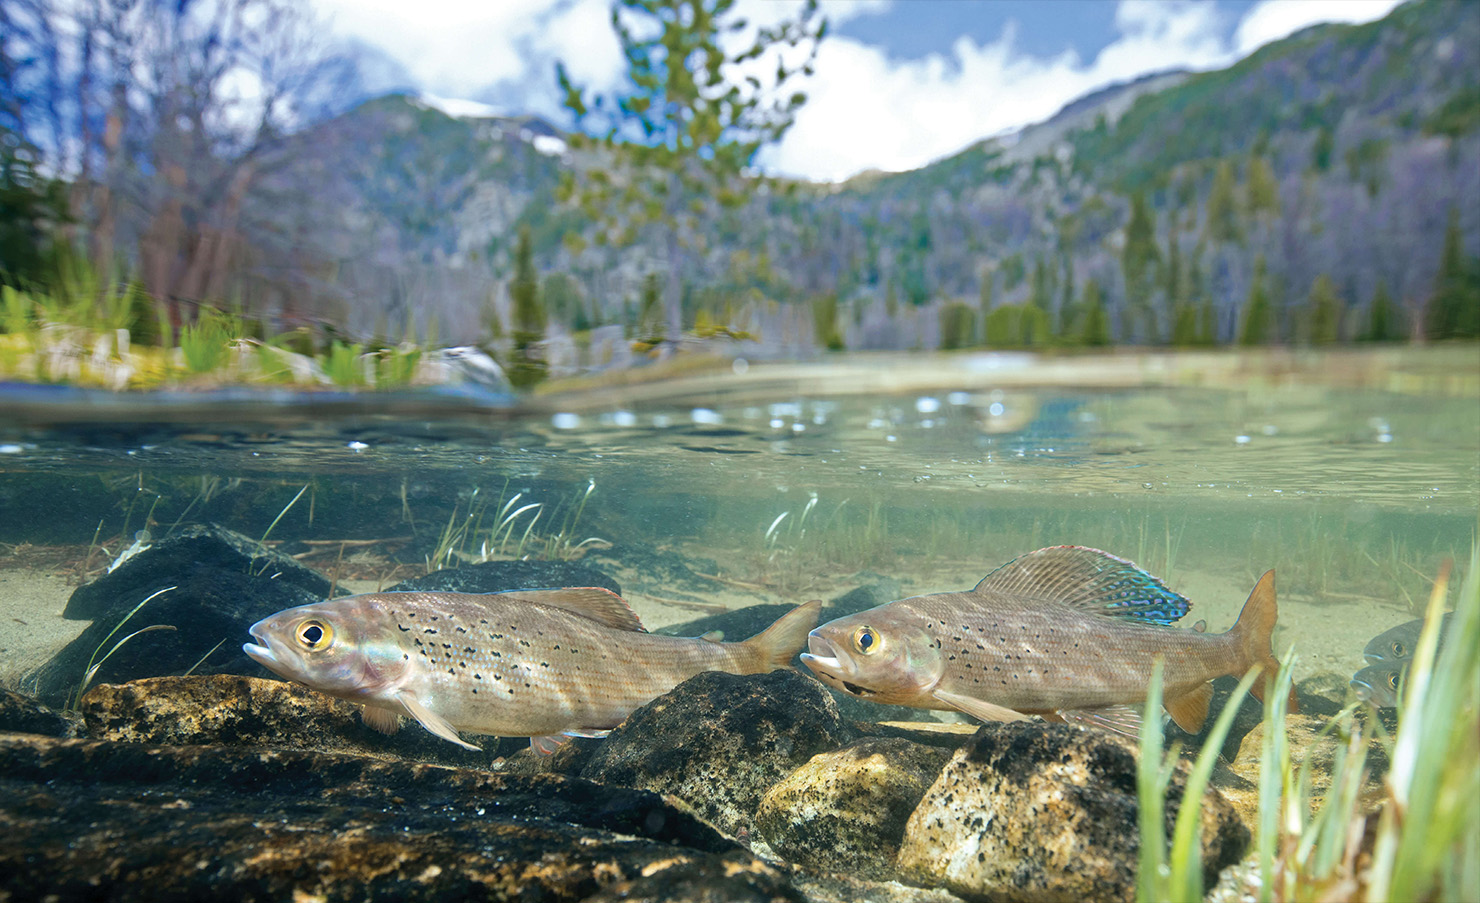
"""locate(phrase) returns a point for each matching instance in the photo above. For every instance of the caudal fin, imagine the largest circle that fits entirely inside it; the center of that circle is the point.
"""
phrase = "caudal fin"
(1255, 630)
(775, 646)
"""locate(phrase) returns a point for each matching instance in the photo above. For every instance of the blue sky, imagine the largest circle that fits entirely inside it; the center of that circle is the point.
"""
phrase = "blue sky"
(899, 83)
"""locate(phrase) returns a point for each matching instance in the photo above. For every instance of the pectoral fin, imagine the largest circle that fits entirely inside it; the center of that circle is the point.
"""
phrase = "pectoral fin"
(387, 721)
(1119, 719)
(431, 720)
(979, 709)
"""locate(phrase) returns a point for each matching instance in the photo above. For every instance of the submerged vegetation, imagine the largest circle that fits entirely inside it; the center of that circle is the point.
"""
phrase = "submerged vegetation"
(1414, 840)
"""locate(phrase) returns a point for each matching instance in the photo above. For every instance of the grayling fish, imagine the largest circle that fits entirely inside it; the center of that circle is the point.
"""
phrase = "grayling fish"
(1066, 632)
(529, 663)
(1379, 683)
(1398, 643)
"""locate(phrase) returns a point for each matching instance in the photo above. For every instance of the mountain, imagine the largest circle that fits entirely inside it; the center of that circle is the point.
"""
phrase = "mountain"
(1338, 152)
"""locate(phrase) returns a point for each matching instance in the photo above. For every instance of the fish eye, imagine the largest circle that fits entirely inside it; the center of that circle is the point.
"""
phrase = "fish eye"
(1392, 681)
(314, 635)
(1399, 649)
(865, 639)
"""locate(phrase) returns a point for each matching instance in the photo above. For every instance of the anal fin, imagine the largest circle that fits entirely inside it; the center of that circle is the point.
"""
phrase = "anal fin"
(387, 721)
(979, 709)
(431, 720)
(1190, 709)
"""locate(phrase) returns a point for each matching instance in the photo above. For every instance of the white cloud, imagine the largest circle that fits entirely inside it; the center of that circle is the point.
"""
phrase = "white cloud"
(1275, 19)
(449, 47)
(866, 111)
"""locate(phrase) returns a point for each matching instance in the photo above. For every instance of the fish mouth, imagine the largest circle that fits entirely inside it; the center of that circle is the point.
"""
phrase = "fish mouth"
(262, 654)
(823, 659)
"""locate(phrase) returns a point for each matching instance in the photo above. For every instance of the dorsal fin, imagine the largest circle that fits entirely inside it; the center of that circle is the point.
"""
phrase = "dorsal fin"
(1090, 580)
(600, 605)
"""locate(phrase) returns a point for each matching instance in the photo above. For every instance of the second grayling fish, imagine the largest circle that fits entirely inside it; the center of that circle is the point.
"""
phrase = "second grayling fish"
(529, 663)
(1066, 632)
(1397, 644)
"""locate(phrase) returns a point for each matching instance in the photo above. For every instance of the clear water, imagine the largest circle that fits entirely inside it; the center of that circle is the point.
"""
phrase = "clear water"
(1353, 474)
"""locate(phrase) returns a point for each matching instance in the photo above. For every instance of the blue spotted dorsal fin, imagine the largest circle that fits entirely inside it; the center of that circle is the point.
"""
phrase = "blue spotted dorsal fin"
(1090, 580)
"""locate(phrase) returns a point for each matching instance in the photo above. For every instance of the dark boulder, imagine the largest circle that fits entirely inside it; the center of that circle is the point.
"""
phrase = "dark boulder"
(210, 608)
(167, 562)
(91, 820)
(24, 715)
(502, 576)
(719, 741)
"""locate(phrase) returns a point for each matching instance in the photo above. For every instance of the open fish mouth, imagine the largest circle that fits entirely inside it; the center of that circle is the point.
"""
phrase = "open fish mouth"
(823, 660)
(261, 654)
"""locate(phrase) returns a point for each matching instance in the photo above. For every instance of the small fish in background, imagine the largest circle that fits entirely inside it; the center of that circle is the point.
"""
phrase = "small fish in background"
(1398, 643)
(537, 663)
(1066, 632)
(1379, 684)
(1390, 653)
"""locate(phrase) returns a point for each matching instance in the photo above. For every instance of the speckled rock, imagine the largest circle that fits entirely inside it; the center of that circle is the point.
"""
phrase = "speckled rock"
(24, 715)
(248, 711)
(1030, 811)
(84, 820)
(719, 741)
(845, 810)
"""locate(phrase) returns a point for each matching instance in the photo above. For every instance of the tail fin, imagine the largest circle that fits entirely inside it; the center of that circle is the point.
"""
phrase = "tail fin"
(775, 646)
(1255, 629)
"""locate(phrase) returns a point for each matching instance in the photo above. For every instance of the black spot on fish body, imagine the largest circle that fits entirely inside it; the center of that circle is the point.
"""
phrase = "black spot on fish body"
(403, 629)
(462, 630)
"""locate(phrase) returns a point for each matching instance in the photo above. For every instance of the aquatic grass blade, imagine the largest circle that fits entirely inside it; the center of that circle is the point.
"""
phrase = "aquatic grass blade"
(1186, 878)
(1151, 873)
(1430, 826)
(200, 661)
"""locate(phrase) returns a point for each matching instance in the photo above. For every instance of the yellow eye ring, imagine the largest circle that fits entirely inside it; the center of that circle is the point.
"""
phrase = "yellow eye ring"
(314, 635)
(1392, 681)
(865, 639)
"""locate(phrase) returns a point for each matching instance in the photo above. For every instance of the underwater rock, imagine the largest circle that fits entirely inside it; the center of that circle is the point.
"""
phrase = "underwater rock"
(166, 562)
(210, 606)
(234, 711)
(1323, 693)
(89, 820)
(873, 591)
(1302, 732)
(663, 568)
(24, 715)
(1030, 811)
(502, 576)
(845, 810)
(719, 741)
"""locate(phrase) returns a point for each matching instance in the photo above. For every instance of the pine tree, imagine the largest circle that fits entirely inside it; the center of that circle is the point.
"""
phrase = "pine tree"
(1320, 159)
(688, 128)
(1095, 330)
(527, 367)
(984, 303)
(825, 322)
(1325, 312)
(650, 316)
(1264, 188)
(1382, 318)
(1454, 310)
(957, 324)
(1257, 313)
(1222, 206)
